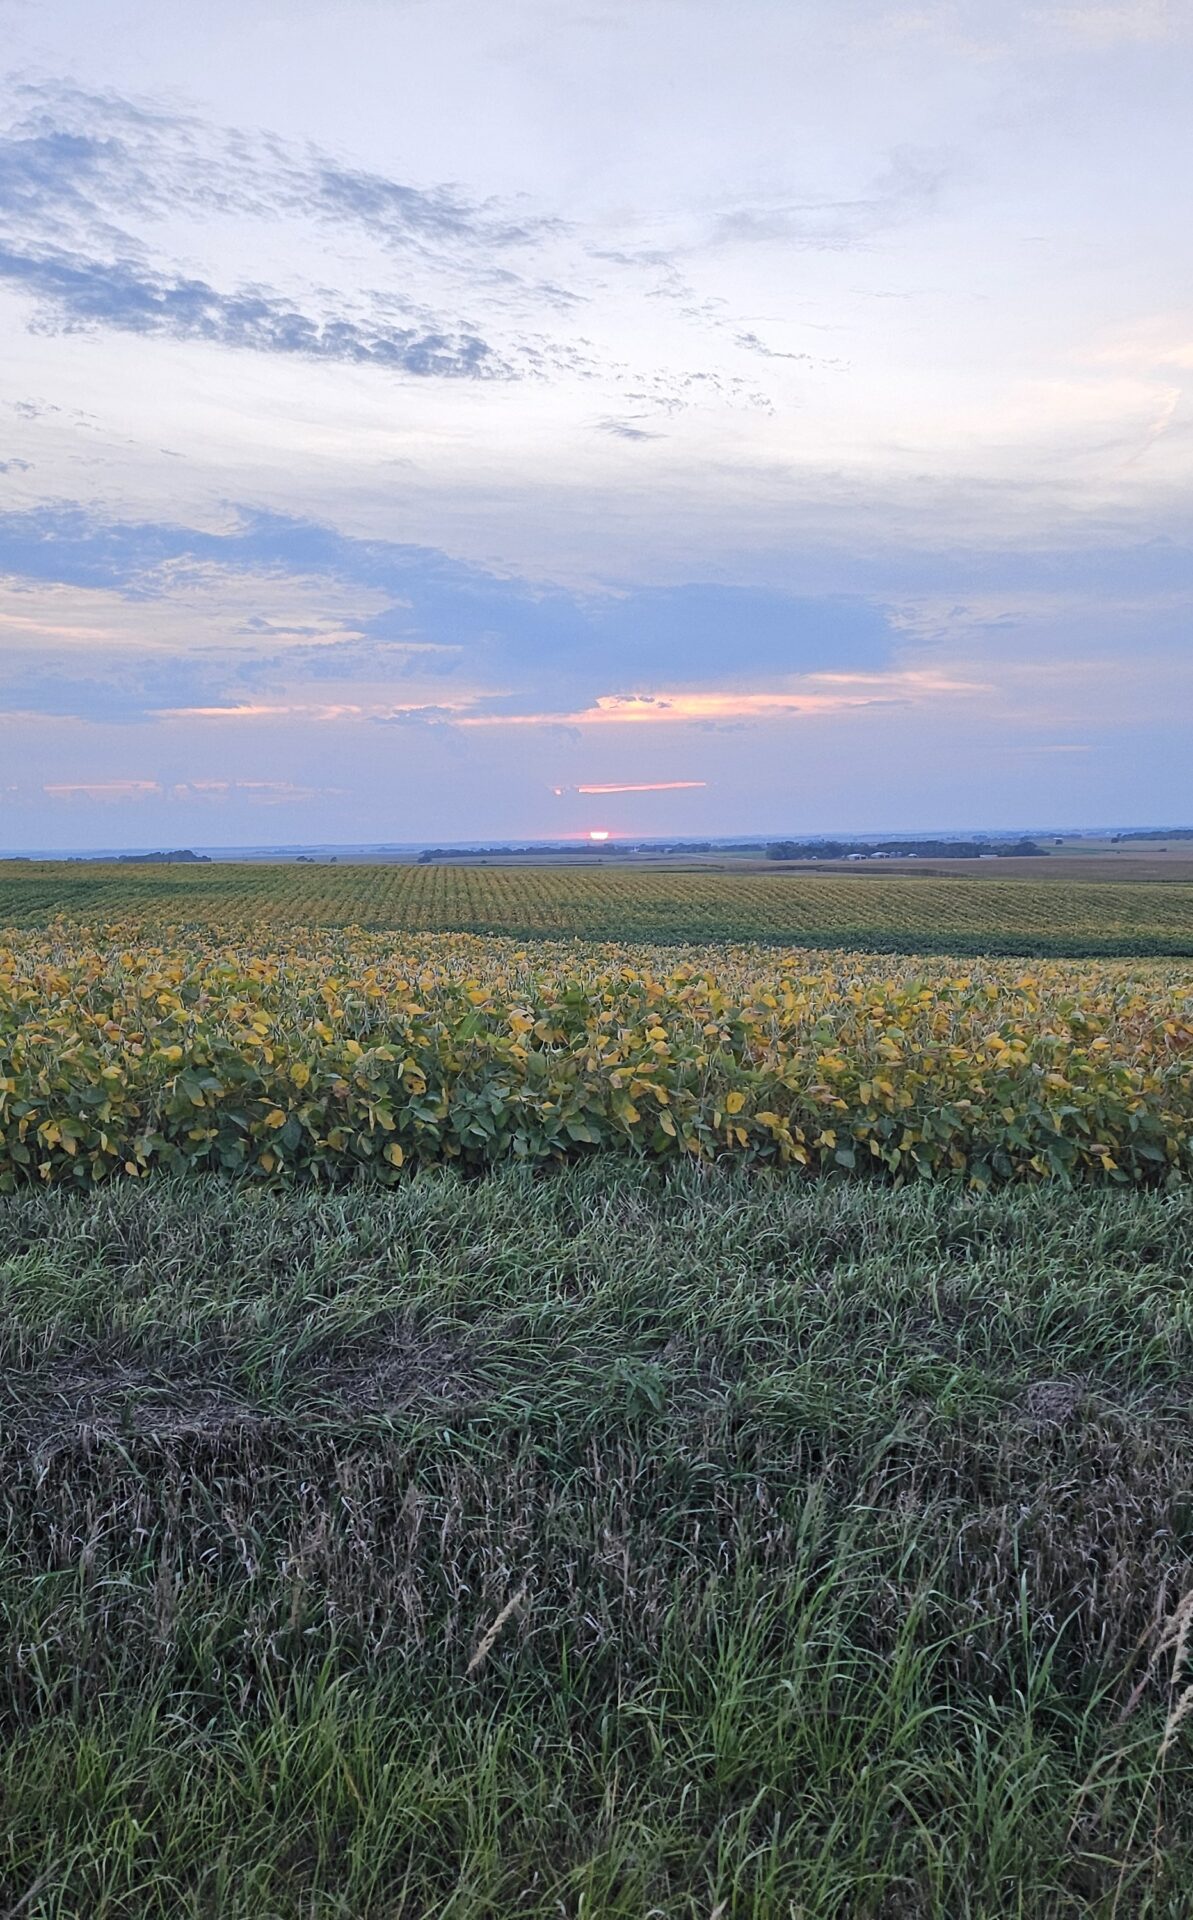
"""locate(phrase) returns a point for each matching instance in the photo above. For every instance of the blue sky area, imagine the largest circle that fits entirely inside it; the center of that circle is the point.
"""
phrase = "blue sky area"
(414, 414)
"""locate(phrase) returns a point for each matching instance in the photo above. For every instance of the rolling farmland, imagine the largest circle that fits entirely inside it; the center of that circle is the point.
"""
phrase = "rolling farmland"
(802, 1395)
(877, 912)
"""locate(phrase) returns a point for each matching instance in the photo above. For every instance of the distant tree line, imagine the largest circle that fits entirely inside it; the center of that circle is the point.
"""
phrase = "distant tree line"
(900, 849)
(178, 857)
(1153, 833)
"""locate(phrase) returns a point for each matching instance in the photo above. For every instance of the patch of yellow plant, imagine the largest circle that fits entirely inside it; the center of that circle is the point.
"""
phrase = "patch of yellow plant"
(325, 1054)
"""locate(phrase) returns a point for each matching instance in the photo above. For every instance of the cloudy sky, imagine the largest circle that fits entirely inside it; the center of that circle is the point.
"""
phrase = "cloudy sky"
(422, 419)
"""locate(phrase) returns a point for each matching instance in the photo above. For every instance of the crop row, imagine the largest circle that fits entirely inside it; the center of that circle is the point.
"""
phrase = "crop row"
(922, 913)
(319, 1059)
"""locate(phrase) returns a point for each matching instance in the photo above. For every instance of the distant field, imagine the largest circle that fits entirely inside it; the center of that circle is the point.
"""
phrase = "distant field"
(957, 913)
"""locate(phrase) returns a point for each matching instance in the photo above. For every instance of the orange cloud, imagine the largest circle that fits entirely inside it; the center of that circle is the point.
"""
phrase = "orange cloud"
(265, 711)
(815, 693)
(821, 693)
(639, 786)
(48, 631)
(102, 790)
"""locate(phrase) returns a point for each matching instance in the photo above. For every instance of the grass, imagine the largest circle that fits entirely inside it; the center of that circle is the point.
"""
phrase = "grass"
(921, 913)
(596, 1544)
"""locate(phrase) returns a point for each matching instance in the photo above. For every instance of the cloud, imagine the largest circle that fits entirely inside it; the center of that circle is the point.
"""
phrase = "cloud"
(816, 694)
(77, 292)
(416, 716)
(75, 154)
(752, 344)
(265, 793)
(93, 679)
(639, 786)
(267, 710)
(103, 790)
(29, 624)
(627, 430)
(92, 184)
(36, 409)
(908, 185)
(64, 696)
(84, 175)
(423, 617)
(405, 215)
(255, 792)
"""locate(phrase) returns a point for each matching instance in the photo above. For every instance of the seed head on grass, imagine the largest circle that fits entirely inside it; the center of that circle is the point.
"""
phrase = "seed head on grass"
(1178, 1636)
(488, 1639)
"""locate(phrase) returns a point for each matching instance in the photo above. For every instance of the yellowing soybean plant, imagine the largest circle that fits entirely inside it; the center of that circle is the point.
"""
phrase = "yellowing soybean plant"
(320, 1055)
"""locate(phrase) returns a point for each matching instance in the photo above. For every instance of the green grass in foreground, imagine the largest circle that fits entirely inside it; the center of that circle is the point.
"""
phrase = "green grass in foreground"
(594, 1545)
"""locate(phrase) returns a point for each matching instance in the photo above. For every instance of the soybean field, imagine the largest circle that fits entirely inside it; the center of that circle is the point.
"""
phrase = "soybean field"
(872, 912)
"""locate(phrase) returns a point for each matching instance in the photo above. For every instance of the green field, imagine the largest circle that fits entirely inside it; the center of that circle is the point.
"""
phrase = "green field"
(595, 1546)
(876, 912)
(656, 1511)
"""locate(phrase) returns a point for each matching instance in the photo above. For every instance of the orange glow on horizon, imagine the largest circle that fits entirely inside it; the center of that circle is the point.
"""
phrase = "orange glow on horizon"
(640, 786)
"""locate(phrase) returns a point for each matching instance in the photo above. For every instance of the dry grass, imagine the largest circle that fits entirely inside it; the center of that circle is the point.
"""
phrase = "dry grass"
(596, 1545)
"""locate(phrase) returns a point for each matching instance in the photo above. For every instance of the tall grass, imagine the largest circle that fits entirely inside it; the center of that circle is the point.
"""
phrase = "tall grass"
(593, 1545)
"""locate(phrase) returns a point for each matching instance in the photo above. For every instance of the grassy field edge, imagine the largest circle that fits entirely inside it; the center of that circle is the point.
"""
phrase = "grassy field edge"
(594, 1543)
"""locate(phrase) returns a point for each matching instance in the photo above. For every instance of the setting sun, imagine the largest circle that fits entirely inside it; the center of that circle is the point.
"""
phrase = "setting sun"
(599, 833)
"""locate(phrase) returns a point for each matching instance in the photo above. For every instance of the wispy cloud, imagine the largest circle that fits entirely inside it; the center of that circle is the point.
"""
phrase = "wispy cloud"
(909, 184)
(102, 790)
(92, 182)
(82, 155)
(255, 792)
(629, 429)
(820, 694)
(638, 786)
(265, 793)
(271, 710)
(76, 292)
(816, 694)
(86, 177)
(752, 344)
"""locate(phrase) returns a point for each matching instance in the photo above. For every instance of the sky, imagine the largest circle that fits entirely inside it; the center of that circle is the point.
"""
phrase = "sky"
(422, 420)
